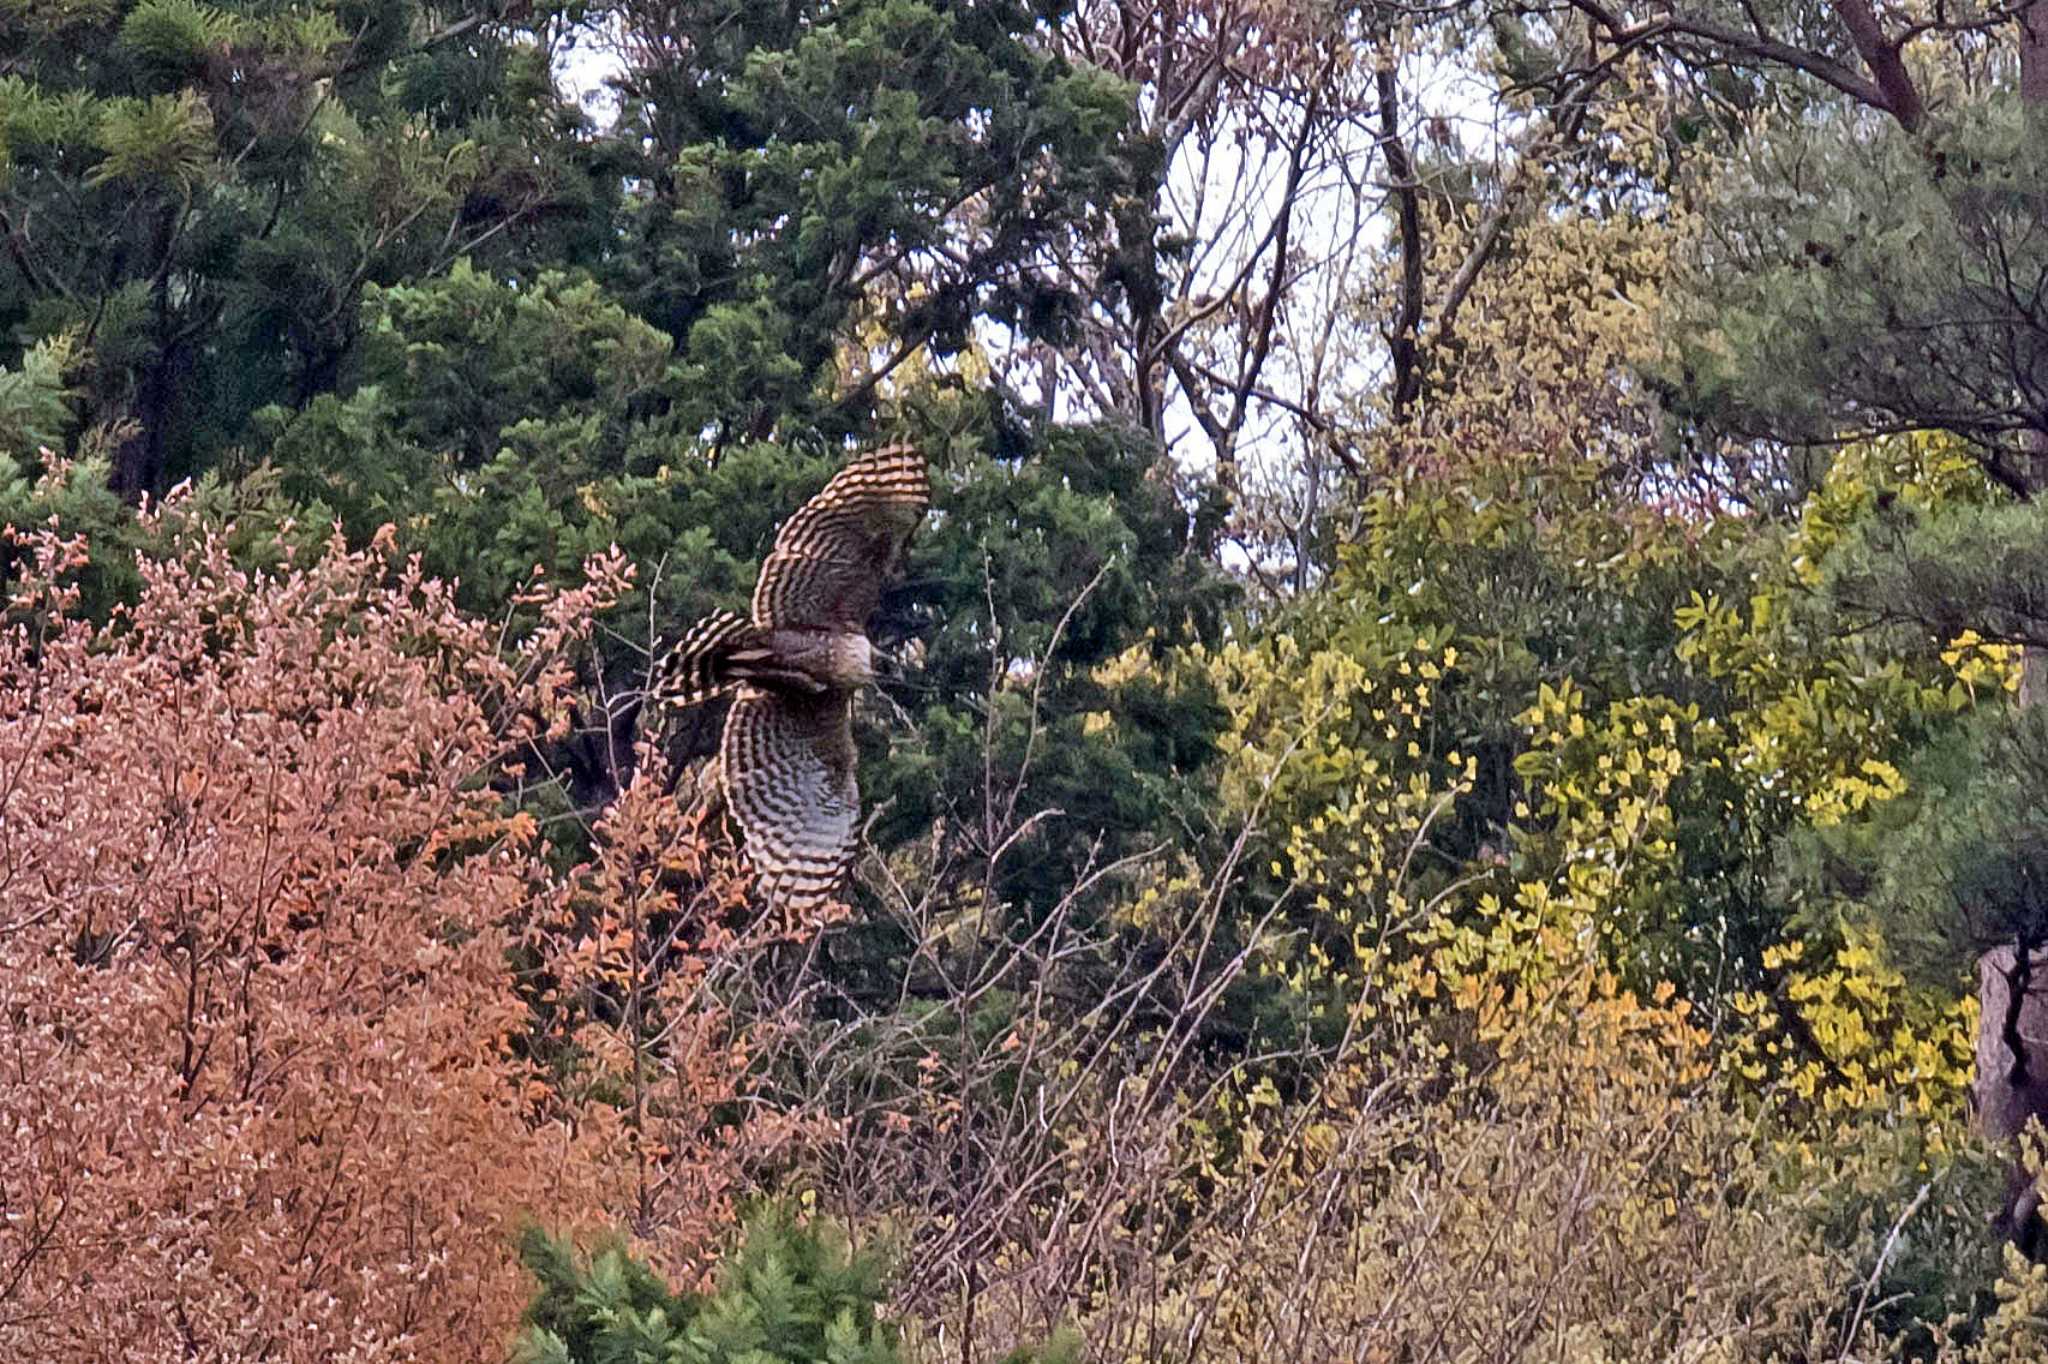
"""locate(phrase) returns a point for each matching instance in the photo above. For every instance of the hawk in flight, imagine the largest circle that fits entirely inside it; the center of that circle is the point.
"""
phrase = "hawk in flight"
(786, 758)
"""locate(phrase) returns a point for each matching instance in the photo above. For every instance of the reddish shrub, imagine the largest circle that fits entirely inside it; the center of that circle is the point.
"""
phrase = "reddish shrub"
(261, 1088)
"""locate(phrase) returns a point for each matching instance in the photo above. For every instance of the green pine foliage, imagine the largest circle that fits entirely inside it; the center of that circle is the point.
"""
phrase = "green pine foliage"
(793, 1292)
(212, 187)
(1959, 861)
(794, 155)
(37, 404)
(1855, 277)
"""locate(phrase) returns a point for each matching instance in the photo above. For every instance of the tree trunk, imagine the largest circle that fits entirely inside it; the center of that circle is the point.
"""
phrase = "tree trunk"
(2033, 24)
(140, 460)
(2011, 1085)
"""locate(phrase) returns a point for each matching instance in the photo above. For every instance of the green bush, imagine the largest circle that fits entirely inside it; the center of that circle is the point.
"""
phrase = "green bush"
(792, 1293)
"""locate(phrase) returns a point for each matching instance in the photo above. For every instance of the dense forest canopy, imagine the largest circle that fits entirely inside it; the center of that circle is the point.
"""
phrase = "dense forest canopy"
(1443, 764)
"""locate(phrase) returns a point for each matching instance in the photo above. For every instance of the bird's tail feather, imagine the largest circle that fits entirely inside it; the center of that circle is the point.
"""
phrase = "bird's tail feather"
(701, 664)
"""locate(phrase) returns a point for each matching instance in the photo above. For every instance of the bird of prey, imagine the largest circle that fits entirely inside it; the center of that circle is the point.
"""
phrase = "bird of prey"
(786, 758)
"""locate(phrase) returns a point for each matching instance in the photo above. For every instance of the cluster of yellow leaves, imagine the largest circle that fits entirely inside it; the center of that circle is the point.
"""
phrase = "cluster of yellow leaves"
(1341, 743)
(1983, 670)
(1604, 785)
(1812, 725)
(2017, 1332)
(1921, 469)
(1848, 1037)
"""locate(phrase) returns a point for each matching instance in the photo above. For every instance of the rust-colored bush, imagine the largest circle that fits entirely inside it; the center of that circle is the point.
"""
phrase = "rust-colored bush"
(265, 1093)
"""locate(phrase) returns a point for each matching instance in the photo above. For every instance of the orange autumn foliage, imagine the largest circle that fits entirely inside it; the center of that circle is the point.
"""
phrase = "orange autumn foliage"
(263, 1093)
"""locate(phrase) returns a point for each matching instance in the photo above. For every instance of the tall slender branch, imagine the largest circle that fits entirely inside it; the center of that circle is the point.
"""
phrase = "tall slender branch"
(1402, 339)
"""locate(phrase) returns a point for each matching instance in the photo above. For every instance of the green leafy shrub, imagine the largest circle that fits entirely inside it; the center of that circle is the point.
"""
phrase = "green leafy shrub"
(792, 1293)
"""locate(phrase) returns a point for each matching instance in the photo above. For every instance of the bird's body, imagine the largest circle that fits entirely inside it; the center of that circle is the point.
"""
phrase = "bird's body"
(786, 757)
(830, 660)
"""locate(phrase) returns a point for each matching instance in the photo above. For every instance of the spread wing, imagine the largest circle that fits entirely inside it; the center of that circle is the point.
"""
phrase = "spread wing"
(789, 778)
(831, 558)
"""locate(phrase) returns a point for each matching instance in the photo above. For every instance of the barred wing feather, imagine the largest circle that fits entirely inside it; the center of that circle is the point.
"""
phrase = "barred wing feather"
(830, 558)
(695, 670)
(789, 778)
